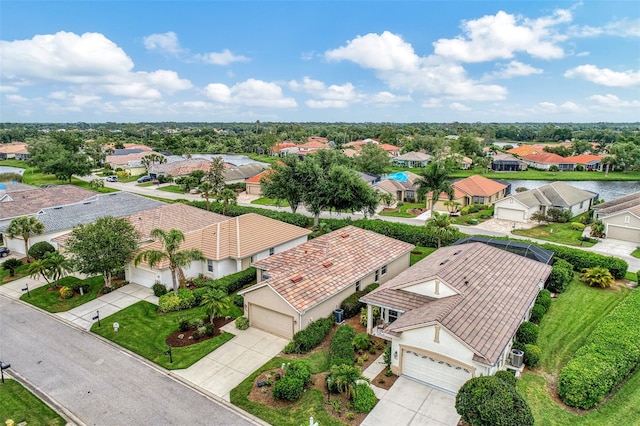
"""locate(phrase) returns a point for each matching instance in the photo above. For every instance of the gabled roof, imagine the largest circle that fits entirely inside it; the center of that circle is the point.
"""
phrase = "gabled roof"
(585, 158)
(629, 202)
(493, 291)
(523, 150)
(242, 172)
(548, 158)
(14, 148)
(413, 156)
(557, 194)
(181, 168)
(499, 156)
(312, 272)
(479, 186)
(256, 178)
(173, 216)
(30, 201)
(389, 147)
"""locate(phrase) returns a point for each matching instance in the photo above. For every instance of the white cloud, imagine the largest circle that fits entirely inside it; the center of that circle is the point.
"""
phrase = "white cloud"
(8, 89)
(582, 54)
(251, 92)
(327, 103)
(332, 96)
(613, 101)
(167, 43)
(626, 27)
(167, 81)
(16, 98)
(502, 35)
(384, 52)
(432, 103)
(456, 106)
(387, 98)
(512, 69)
(220, 58)
(550, 107)
(605, 76)
(73, 98)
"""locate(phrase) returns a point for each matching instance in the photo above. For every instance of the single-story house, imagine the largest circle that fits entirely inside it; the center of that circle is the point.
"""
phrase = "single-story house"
(14, 150)
(240, 173)
(621, 217)
(369, 178)
(253, 183)
(453, 315)
(400, 185)
(520, 206)
(229, 245)
(474, 189)
(129, 161)
(524, 150)
(545, 160)
(61, 219)
(311, 280)
(506, 163)
(179, 168)
(590, 162)
(412, 159)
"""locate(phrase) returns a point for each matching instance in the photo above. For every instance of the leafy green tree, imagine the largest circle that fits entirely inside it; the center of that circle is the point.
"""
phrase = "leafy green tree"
(598, 277)
(372, 159)
(387, 199)
(216, 303)
(283, 182)
(93, 148)
(39, 268)
(39, 249)
(580, 146)
(440, 226)
(96, 183)
(25, 226)
(52, 158)
(170, 252)
(435, 179)
(103, 247)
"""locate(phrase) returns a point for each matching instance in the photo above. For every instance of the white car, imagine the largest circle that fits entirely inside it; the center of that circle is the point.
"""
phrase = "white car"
(113, 178)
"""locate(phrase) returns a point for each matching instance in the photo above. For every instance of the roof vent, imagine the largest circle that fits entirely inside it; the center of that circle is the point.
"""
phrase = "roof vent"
(344, 235)
(297, 279)
(57, 208)
(457, 253)
(327, 263)
(88, 202)
(444, 261)
(265, 276)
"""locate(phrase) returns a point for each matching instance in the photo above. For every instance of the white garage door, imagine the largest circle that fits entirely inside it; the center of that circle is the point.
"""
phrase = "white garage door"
(434, 371)
(271, 321)
(143, 277)
(510, 214)
(624, 234)
(15, 245)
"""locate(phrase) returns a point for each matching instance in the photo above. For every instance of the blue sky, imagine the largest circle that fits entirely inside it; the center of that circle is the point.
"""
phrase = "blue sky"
(353, 61)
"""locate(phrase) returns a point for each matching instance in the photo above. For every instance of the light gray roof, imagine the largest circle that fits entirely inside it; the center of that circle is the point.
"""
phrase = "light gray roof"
(117, 204)
(558, 194)
(236, 160)
(242, 172)
(628, 202)
(413, 156)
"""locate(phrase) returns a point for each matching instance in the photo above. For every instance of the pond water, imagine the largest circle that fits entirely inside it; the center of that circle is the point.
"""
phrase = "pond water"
(607, 190)
(8, 169)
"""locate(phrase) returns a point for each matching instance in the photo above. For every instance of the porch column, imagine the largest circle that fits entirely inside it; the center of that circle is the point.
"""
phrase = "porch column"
(369, 319)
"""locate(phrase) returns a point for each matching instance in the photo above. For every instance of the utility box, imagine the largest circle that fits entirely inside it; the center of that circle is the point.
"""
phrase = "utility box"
(339, 315)
(517, 357)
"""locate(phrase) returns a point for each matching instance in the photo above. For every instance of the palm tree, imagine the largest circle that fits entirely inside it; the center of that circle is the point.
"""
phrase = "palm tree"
(434, 179)
(440, 226)
(171, 252)
(39, 268)
(24, 226)
(57, 265)
(452, 206)
(206, 191)
(387, 199)
(216, 303)
(226, 197)
(598, 277)
(345, 377)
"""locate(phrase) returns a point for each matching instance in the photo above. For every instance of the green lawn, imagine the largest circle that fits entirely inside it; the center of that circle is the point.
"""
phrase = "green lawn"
(312, 402)
(20, 272)
(49, 300)
(570, 320)
(636, 253)
(143, 330)
(403, 211)
(546, 175)
(474, 218)
(419, 253)
(20, 405)
(177, 189)
(555, 233)
(263, 201)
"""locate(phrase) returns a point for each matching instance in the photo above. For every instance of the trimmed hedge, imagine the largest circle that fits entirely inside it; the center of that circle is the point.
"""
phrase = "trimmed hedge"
(300, 369)
(288, 388)
(560, 277)
(364, 399)
(532, 355)
(581, 259)
(537, 312)
(234, 282)
(527, 333)
(610, 354)
(235, 210)
(544, 300)
(506, 376)
(341, 348)
(40, 249)
(305, 340)
(352, 305)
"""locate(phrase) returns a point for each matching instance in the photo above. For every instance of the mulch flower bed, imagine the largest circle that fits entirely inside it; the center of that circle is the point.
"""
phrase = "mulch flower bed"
(180, 339)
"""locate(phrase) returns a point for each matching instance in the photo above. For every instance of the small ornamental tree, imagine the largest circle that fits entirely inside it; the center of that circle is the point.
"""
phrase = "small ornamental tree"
(39, 249)
(598, 277)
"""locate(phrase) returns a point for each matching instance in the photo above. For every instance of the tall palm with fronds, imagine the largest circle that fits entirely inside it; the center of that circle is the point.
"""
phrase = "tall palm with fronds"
(435, 179)
(439, 224)
(216, 303)
(226, 197)
(206, 190)
(24, 226)
(171, 252)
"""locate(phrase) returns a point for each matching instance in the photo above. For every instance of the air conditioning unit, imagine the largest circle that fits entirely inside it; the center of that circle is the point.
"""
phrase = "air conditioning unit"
(517, 357)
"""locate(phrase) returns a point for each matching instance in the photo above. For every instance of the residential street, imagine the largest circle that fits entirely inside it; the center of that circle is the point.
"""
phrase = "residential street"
(98, 383)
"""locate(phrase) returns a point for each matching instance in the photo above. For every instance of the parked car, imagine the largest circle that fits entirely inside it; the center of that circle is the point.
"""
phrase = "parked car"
(144, 179)
(113, 178)
(4, 252)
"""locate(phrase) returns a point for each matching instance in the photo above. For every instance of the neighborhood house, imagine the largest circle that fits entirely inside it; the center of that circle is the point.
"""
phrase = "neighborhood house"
(621, 217)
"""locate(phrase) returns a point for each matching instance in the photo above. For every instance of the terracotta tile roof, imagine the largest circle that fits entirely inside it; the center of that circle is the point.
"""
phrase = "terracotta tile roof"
(547, 158)
(523, 150)
(493, 291)
(479, 185)
(328, 265)
(389, 147)
(313, 145)
(350, 152)
(14, 148)
(30, 201)
(318, 139)
(585, 158)
(256, 178)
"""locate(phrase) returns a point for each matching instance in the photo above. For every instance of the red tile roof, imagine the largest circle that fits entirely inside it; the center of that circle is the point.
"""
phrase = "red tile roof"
(523, 150)
(547, 158)
(256, 178)
(479, 185)
(585, 158)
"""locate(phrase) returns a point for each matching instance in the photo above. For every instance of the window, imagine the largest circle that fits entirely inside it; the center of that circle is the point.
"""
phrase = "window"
(209, 265)
(393, 315)
(377, 275)
(271, 251)
(384, 270)
(478, 200)
(358, 285)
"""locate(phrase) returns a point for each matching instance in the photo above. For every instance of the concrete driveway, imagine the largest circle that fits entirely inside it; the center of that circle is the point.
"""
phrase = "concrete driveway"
(226, 367)
(412, 403)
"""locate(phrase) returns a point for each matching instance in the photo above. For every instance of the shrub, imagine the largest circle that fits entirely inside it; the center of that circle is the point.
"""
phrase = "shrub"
(305, 340)
(242, 323)
(507, 377)
(490, 401)
(386, 356)
(351, 305)
(80, 285)
(300, 369)
(234, 282)
(66, 292)
(198, 294)
(560, 277)
(527, 333)
(577, 226)
(11, 265)
(532, 355)
(169, 303)
(581, 259)
(187, 298)
(341, 348)
(362, 341)
(159, 289)
(610, 354)
(364, 399)
(544, 299)
(183, 324)
(238, 300)
(209, 329)
(40, 249)
(598, 277)
(288, 388)
(537, 312)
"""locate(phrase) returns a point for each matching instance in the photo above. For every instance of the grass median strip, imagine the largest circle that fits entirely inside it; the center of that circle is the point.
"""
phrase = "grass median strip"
(20, 405)
(49, 299)
(143, 330)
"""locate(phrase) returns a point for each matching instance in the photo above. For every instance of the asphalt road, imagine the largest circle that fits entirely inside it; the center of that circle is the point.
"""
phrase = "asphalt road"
(97, 383)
